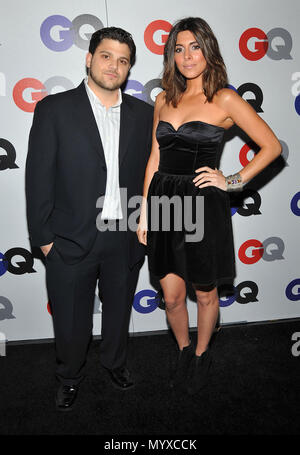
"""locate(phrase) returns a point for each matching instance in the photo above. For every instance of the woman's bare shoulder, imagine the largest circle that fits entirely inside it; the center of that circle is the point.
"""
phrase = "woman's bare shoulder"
(160, 98)
(225, 96)
(160, 101)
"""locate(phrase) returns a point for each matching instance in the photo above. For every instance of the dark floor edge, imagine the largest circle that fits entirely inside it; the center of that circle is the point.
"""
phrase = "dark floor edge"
(165, 332)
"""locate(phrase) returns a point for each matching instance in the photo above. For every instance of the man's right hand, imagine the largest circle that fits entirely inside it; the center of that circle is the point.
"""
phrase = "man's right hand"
(46, 248)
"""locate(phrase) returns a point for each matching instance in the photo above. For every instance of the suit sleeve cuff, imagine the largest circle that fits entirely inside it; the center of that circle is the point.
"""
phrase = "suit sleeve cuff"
(41, 239)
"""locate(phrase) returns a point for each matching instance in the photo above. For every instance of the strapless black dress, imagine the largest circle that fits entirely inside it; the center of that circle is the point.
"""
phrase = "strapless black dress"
(208, 258)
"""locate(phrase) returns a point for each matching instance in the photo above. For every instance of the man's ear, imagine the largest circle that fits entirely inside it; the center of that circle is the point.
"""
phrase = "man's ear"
(88, 59)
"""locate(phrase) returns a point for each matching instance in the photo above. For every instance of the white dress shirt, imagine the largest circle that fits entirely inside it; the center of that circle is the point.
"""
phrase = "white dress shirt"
(108, 122)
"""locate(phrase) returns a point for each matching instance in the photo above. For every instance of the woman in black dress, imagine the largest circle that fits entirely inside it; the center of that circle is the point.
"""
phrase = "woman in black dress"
(190, 119)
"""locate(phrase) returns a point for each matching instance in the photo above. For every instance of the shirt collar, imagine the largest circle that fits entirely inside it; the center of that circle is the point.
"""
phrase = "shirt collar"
(95, 98)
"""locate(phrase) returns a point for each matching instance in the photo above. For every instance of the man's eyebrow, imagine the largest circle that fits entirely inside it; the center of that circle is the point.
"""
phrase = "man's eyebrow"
(103, 51)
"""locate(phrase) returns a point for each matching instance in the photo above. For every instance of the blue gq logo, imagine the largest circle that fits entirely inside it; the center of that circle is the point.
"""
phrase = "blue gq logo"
(296, 90)
(293, 290)
(297, 104)
(3, 264)
(295, 204)
(68, 31)
(145, 301)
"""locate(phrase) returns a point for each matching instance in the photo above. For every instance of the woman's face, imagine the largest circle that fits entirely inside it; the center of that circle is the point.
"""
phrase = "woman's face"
(188, 56)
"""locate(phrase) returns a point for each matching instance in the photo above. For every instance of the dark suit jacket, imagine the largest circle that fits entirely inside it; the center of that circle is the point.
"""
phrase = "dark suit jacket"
(66, 170)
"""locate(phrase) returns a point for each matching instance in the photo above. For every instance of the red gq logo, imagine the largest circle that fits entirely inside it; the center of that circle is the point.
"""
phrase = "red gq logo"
(38, 90)
(253, 250)
(244, 160)
(257, 251)
(151, 29)
(19, 89)
(260, 47)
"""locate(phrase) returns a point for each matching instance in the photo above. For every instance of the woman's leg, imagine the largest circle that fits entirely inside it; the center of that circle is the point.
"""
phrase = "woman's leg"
(208, 311)
(174, 291)
(174, 295)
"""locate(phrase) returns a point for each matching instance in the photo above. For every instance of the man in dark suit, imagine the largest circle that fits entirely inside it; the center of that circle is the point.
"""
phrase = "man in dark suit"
(84, 144)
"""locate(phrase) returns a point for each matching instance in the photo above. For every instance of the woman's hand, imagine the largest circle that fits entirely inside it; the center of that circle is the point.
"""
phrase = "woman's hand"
(142, 230)
(210, 177)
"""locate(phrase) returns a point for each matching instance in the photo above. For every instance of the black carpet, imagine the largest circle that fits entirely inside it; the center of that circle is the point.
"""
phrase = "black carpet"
(254, 389)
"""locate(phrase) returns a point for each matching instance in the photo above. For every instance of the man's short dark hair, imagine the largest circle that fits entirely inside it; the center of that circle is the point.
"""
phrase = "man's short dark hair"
(115, 33)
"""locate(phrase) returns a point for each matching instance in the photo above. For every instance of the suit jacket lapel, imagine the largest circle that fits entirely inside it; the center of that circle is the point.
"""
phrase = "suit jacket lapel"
(126, 128)
(86, 117)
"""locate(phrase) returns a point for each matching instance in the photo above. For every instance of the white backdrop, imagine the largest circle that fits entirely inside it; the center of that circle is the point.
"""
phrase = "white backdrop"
(43, 47)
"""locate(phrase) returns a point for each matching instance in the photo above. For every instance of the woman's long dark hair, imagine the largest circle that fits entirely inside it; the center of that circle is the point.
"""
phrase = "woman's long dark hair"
(214, 75)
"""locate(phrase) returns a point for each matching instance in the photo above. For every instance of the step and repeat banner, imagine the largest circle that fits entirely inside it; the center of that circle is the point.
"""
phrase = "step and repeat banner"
(43, 47)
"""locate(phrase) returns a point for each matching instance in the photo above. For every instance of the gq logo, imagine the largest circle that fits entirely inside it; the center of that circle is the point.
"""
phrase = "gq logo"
(146, 301)
(253, 250)
(295, 204)
(27, 92)
(243, 293)
(263, 44)
(16, 267)
(296, 91)
(293, 290)
(7, 161)
(156, 35)
(6, 309)
(245, 151)
(255, 102)
(251, 204)
(147, 92)
(58, 33)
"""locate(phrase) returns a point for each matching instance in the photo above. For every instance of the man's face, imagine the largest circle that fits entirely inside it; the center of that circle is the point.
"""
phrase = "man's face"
(109, 65)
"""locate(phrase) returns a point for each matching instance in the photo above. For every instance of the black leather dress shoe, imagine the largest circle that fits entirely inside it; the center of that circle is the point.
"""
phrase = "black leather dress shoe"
(121, 378)
(65, 397)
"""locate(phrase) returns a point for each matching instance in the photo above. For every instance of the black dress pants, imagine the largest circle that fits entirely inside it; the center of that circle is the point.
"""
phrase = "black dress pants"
(71, 290)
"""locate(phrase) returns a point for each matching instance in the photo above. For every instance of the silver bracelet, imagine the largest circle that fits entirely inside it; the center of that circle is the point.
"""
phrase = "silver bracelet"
(234, 182)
